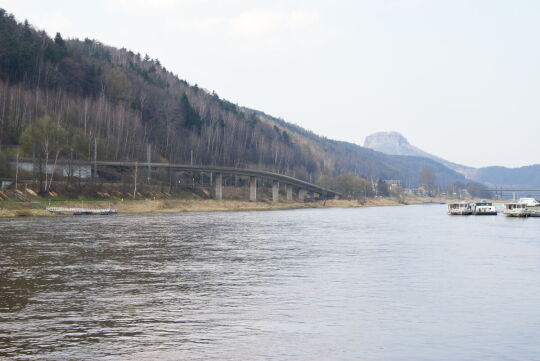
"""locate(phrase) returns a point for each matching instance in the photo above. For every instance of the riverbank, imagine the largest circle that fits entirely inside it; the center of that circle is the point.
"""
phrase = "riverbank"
(31, 209)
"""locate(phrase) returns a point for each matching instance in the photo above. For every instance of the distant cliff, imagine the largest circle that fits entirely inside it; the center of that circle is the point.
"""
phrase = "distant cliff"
(395, 143)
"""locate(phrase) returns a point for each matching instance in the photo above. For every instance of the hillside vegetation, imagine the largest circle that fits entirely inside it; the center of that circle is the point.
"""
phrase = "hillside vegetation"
(126, 102)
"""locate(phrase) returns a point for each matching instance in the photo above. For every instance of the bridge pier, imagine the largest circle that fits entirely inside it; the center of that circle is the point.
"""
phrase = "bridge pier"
(253, 189)
(148, 161)
(288, 190)
(218, 186)
(275, 191)
(301, 195)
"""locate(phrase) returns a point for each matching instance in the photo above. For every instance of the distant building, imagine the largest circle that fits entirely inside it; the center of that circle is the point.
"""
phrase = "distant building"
(422, 190)
(394, 185)
(77, 171)
(5, 184)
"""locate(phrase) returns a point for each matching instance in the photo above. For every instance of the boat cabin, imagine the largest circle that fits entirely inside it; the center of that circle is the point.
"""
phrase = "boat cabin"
(515, 209)
(514, 206)
(461, 208)
(484, 208)
(529, 202)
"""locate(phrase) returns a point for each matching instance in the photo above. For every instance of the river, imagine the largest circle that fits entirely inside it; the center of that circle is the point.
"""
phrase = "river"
(387, 283)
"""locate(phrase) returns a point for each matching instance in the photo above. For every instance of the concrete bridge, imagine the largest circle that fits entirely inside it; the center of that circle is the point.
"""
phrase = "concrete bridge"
(290, 183)
(513, 191)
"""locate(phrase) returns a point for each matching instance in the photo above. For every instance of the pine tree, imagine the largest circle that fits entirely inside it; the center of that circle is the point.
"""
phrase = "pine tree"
(192, 119)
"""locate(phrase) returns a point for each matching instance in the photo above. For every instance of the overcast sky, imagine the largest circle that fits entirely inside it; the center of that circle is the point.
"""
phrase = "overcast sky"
(459, 78)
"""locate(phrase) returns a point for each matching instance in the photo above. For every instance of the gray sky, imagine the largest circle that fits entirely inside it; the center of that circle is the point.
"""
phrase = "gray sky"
(459, 78)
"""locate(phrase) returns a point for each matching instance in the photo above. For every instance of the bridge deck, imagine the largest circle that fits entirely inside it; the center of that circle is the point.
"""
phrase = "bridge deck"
(213, 169)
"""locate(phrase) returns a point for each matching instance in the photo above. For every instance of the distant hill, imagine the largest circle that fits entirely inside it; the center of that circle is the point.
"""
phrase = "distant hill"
(522, 177)
(127, 103)
(397, 144)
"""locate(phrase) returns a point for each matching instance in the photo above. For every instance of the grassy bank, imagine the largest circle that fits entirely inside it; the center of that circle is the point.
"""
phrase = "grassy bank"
(36, 208)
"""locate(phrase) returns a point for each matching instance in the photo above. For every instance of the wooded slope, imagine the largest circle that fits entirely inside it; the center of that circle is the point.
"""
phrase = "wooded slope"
(127, 101)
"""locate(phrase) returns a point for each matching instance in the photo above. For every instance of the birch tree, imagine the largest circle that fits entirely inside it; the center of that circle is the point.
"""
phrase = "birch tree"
(45, 140)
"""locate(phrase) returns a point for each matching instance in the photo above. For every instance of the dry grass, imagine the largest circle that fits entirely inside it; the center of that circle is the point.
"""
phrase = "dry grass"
(6, 212)
(170, 205)
(21, 209)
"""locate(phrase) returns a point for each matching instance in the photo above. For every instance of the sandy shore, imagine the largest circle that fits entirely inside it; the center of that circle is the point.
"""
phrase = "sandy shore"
(19, 209)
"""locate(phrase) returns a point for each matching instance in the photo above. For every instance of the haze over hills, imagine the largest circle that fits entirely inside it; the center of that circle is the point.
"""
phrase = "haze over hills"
(125, 101)
(395, 143)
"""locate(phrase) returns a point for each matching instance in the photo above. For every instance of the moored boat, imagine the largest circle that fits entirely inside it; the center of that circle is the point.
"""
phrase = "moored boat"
(515, 209)
(532, 206)
(484, 208)
(460, 209)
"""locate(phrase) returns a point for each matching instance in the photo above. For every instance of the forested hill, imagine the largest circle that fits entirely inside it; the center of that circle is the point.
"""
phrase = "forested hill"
(86, 90)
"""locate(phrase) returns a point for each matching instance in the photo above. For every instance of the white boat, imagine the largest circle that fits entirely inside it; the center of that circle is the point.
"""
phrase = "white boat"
(533, 211)
(515, 209)
(532, 206)
(460, 209)
(484, 208)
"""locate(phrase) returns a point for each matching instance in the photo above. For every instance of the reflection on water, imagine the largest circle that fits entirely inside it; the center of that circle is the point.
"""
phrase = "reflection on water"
(397, 283)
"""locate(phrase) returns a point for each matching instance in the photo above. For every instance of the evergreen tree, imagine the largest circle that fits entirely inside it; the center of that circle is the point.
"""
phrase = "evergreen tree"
(192, 119)
(382, 188)
(59, 41)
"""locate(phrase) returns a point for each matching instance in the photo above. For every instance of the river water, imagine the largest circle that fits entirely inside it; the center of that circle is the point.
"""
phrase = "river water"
(389, 283)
